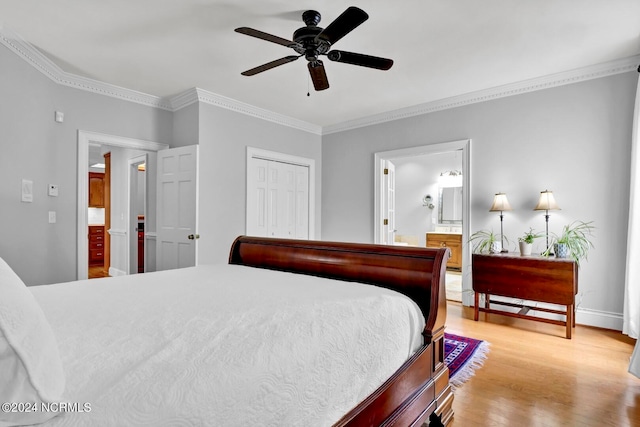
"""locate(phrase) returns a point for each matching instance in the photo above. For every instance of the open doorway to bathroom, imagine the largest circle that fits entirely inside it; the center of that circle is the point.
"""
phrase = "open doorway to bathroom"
(430, 204)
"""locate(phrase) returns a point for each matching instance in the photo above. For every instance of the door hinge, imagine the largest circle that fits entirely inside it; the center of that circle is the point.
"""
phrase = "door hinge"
(386, 171)
(385, 221)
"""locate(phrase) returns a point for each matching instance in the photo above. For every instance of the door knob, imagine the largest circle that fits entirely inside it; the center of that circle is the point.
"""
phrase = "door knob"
(193, 236)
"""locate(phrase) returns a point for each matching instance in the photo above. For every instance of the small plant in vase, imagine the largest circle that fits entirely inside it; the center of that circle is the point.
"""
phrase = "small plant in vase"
(574, 241)
(486, 241)
(526, 241)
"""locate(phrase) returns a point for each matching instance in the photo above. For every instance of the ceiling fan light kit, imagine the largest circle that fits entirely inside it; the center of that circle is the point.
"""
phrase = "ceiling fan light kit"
(312, 41)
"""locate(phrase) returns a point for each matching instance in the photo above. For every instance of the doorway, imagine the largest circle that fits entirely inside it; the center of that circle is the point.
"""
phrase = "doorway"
(424, 205)
(138, 207)
(85, 140)
(99, 212)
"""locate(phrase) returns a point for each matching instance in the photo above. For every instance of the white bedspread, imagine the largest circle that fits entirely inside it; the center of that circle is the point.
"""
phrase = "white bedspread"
(224, 345)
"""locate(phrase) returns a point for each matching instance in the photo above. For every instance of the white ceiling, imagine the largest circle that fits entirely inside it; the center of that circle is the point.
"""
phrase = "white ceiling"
(441, 48)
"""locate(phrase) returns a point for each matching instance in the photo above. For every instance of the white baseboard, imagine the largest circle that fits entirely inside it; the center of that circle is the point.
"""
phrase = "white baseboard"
(599, 319)
(115, 272)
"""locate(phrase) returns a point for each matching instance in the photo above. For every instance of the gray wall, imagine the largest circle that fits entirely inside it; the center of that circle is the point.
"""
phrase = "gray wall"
(574, 140)
(186, 126)
(35, 147)
(224, 138)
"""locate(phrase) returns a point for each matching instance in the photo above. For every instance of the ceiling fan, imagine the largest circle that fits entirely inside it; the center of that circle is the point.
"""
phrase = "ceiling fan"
(312, 41)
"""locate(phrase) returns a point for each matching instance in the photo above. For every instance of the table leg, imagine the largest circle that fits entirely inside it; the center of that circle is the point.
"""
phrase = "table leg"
(476, 305)
(570, 320)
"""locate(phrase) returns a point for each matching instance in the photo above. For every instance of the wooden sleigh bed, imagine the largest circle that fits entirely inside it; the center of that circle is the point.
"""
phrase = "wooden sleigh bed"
(186, 346)
(419, 391)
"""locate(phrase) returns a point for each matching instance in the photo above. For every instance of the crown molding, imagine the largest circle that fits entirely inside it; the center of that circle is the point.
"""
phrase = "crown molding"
(193, 95)
(39, 61)
(554, 80)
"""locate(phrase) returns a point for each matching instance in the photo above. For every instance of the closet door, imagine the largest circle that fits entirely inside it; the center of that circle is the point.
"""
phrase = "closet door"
(302, 202)
(278, 199)
(257, 191)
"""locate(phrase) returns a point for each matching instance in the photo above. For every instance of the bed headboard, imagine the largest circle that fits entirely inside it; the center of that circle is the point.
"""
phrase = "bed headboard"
(418, 273)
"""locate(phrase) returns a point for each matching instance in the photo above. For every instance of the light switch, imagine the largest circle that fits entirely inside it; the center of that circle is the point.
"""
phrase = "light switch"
(59, 116)
(53, 190)
(52, 217)
(27, 190)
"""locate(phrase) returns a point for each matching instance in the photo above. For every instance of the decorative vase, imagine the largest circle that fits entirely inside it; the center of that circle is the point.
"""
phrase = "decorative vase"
(525, 248)
(561, 250)
(495, 247)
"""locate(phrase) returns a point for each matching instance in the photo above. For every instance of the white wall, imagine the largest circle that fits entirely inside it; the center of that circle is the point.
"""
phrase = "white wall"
(574, 140)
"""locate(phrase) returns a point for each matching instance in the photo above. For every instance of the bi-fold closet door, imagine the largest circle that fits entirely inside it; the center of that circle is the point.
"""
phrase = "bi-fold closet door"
(278, 202)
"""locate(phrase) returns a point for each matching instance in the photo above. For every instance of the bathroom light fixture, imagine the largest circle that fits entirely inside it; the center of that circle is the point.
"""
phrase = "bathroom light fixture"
(546, 203)
(500, 204)
(427, 201)
(450, 179)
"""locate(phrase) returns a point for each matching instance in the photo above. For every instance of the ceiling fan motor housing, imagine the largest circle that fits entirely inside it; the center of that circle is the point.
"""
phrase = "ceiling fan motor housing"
(306, 37)
(311, 18)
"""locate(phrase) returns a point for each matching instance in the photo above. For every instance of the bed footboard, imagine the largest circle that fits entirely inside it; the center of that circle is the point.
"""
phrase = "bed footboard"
(419, 391)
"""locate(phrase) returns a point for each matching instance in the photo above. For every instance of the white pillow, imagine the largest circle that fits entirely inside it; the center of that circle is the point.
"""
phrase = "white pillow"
(30, 366)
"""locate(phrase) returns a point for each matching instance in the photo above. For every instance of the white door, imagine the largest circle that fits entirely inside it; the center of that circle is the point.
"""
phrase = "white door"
(257, 191)
(388, 203)
(137, 210)
(277, 199)
(281, 202)
(302, 202)
(177, 195)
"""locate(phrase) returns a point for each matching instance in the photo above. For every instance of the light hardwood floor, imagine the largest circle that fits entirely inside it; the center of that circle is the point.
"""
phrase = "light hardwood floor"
(97, 271)
(536, 377)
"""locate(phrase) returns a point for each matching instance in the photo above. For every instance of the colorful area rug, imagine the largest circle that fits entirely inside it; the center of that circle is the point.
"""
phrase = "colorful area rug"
(463, 356)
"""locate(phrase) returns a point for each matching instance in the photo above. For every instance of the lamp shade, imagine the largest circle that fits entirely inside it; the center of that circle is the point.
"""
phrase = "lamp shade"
(500, 203)
(547, 202)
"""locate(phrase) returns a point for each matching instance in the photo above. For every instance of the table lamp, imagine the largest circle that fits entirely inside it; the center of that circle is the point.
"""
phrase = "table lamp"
(500, 204)
(546, 203)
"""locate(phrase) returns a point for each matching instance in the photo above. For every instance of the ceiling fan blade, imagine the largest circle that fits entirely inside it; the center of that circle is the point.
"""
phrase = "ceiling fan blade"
(343, 25)
(360, 59)
(266, 36)
(318, 75)
(270, 65)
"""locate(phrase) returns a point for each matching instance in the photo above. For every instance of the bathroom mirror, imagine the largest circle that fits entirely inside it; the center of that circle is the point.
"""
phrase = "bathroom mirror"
(450, 206)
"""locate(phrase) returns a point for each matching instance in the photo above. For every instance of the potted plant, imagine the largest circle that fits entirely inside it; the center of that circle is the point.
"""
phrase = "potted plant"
(484, 240)
(574, 241)
(526, 241)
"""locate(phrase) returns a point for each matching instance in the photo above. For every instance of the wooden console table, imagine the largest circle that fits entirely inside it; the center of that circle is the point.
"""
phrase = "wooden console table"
(529, 278)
